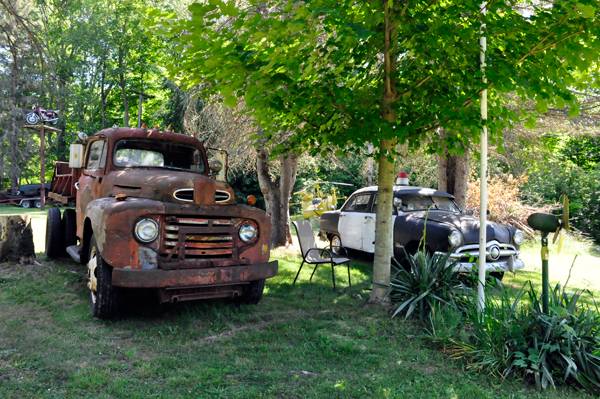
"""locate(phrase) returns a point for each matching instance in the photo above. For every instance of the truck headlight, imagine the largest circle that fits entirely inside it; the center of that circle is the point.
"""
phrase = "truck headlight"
(455, 238)
(518, 237)
(146, 230)
(247, 232)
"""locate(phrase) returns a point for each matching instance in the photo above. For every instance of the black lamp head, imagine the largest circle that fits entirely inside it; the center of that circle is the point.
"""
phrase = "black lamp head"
(544, 222)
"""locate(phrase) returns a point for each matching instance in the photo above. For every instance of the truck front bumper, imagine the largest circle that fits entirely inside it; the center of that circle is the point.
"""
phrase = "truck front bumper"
(184, 278)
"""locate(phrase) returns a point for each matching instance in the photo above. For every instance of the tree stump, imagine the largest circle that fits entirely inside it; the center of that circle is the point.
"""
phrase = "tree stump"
(16, 239)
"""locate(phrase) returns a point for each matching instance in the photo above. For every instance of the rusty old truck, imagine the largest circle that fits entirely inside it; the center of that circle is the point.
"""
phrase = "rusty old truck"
(151, 212)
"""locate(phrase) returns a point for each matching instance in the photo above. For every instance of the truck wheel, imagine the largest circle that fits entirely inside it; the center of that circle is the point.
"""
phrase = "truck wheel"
(336, 242)
(69, 227)
(26, 204)
(37, 204)
(54, 246)
(103, 295)
(254, 293)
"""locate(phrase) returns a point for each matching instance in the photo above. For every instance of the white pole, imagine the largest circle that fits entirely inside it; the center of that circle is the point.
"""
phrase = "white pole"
(483, 176)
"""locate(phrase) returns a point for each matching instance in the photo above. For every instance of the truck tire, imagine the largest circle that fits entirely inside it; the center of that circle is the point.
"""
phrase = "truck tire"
(254, 293)
(37, 204)
(26, 204)
(69, 227)
(103, 299)
(54, 247)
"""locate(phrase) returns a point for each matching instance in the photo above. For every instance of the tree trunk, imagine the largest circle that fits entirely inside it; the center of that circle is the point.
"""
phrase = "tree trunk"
(453, 175)
(277, 194)
(385, 191)
(13, 135)
(16, 239)
(123, 84)
(370, 165)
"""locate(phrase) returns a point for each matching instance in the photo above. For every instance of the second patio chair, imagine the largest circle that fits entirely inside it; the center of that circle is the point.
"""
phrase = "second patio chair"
(313, 255)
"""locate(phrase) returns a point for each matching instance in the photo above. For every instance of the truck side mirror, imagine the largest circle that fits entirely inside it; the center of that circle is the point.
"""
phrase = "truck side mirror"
(221, 157)
(215, 166)
(76, 156)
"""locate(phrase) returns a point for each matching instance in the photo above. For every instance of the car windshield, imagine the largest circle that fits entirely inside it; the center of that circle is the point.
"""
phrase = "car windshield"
(423, 203)
(156, 154)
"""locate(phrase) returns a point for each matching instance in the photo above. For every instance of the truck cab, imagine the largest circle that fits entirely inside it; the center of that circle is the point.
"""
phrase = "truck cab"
(150, 213)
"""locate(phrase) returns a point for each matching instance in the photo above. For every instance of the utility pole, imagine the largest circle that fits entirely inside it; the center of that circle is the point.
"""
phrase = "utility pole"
(142, 96)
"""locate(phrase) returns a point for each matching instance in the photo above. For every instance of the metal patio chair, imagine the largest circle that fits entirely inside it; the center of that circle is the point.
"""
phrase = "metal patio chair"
(316, 256)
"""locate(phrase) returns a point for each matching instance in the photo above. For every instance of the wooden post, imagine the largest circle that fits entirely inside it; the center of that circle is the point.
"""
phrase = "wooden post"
(42, 130)
(142, 96)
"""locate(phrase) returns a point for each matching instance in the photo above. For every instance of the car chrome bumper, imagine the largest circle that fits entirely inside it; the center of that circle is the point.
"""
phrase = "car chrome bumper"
(158, 278)
(466, 256)
(507, 266)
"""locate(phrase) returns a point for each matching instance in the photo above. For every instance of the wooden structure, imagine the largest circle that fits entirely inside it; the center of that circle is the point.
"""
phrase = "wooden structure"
(42, 129)
(63, 183)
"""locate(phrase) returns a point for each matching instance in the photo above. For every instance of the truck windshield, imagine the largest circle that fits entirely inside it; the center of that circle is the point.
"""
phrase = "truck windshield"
(156, 154)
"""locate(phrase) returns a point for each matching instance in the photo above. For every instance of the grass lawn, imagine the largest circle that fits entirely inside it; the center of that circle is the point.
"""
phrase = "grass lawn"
(302, 341)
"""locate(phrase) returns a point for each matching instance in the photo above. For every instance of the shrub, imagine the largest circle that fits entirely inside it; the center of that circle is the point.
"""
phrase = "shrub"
(504, 201)
(514, 337)
(427, 283)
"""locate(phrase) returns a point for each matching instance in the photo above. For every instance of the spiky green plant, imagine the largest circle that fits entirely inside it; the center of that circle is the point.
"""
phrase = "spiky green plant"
(429, 281)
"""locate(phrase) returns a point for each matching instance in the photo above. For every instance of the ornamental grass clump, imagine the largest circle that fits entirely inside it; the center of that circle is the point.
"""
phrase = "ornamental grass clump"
(514, 337)
(427, 282)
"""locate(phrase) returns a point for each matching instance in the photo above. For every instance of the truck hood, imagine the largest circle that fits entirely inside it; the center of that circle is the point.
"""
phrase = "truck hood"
(169, 186)
(467, 225)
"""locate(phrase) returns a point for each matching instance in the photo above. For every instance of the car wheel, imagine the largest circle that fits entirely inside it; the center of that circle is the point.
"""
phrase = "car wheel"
(497, 275)
(53, 234)
(37, 204)
(254, 293)
(336, 243)
(102, 294)
(69, 227)
(26, 204)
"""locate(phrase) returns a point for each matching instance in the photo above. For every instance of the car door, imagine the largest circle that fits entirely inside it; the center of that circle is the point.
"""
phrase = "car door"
(368, 228)
(352, 219)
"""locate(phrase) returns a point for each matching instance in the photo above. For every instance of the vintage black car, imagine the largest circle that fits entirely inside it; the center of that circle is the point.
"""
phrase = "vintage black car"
(448, 228)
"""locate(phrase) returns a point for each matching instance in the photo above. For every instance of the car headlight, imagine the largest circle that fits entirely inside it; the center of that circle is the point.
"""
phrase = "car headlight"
(518, 237)
(146, 230)
(247, 232)
(455, 238)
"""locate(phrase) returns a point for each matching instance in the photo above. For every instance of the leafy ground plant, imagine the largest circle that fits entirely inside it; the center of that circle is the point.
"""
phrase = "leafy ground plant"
(513, 337)
(425, 284)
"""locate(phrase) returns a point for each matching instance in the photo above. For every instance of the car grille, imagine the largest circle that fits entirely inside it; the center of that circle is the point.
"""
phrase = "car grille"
(203, 238)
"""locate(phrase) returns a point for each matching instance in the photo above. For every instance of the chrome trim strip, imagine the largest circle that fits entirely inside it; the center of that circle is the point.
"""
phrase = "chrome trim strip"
(184, 189)
(222, 193)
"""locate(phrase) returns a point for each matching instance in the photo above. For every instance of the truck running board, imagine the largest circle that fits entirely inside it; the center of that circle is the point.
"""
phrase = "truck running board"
(75, 252)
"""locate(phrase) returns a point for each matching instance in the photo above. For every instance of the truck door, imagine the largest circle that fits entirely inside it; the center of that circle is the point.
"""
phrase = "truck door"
(89, 182)
(352, 219)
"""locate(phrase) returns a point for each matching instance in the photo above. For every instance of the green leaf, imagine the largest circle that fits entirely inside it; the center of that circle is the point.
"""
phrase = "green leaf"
(542, 107)
(587, 10)
(530, 123)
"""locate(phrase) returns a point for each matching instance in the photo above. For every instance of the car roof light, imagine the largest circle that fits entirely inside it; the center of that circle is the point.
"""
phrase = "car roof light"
(402, 179)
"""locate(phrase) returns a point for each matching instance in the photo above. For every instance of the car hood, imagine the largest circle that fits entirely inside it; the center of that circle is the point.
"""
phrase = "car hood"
(467, 225)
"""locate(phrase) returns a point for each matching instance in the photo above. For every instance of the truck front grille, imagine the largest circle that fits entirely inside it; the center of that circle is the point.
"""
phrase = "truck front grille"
(200, 238)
